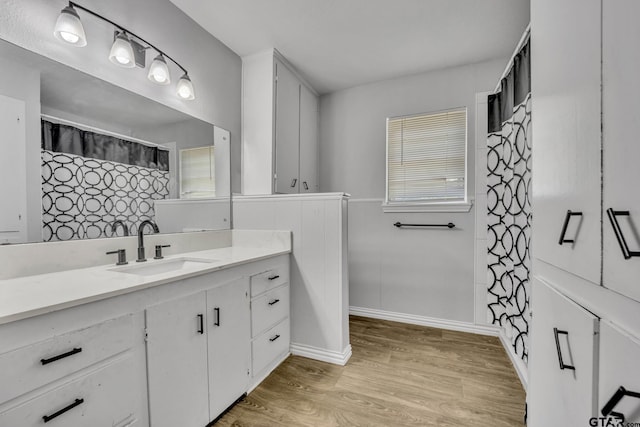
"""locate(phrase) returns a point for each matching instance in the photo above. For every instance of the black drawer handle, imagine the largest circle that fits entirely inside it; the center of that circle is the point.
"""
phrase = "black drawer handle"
(626, 253)
(294, 181)
(275, 301)
(567, 218)
(304, 184)
(274, 277)
(621, 392)
(61, 356)
(200, 324)
(216, 314)
(274, 338)
(48, 418)
(556, 332)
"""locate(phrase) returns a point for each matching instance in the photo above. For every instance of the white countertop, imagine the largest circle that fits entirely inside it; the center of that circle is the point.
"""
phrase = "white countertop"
(29, 296)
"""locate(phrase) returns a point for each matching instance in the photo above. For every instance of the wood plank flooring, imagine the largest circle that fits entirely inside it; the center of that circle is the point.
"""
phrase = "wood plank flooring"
(399, 375)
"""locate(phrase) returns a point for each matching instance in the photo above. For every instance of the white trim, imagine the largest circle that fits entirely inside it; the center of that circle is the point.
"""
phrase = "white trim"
(381, 201)
(321, 354)
(518, 364)
(255, 381)
(453, 325)
(428, 207)
(314, 196)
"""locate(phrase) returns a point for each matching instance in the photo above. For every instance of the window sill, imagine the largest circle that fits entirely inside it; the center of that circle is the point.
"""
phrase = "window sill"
(427, 207)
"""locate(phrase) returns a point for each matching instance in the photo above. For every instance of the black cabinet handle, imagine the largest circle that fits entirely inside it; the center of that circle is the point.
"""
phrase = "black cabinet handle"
(556, 332)
(274, 277)
(621, 392)
(61, 356)
(274, 338)
(626, 253)
(567, 218)
(275, 301)
(294, 181)
(216, 314)
(47, 418)
(200, 324)
(304, 184)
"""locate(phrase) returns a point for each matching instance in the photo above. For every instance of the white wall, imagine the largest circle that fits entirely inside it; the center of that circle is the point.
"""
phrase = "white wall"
(214, 69)
(422, 273)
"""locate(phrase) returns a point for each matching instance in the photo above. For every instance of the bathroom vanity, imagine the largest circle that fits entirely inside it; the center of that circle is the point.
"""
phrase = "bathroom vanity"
(164, 343)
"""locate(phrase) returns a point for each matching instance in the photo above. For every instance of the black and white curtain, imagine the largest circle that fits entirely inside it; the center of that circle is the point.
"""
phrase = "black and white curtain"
(509, 204)
(90, 180)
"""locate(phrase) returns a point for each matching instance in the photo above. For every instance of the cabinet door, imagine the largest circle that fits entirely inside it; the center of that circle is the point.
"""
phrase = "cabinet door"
(287, 118)
(308, 141)
(561, 367)
(229, 343)
(619, 357)
(621, 127)
(567, 138)
(177, 363)
(12, 174)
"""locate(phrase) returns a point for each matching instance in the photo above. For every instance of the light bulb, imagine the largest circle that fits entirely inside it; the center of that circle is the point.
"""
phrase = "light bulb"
(121, 51)
(159, 72)
(69, 28)
(185, 89)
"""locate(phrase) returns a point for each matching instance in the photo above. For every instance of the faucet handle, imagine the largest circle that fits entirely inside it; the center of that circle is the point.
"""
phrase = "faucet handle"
(159, 251)
(122, 256)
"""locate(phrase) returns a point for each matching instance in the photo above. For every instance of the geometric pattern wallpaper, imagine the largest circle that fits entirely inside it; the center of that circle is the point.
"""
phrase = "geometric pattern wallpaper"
(509, 227)
(81, 197)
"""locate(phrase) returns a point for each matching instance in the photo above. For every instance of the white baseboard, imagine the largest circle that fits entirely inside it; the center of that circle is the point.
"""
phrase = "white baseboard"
(321, 354)
(413, 319)
(517, 362)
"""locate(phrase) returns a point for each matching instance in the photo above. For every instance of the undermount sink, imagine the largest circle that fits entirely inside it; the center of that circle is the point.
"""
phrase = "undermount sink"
(152, 268)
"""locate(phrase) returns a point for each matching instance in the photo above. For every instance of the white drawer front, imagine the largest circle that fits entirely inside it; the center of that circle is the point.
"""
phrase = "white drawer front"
(276, 276)
(619, 358)
(106, 397)
(269, 309)
(269, 346)
(30, 367)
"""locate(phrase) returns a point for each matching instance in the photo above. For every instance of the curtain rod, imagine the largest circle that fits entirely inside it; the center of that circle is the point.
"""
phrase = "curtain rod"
(523, 40)
(102, 131)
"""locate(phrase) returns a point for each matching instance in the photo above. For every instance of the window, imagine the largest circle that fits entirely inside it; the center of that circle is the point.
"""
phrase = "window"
(197, 173)
(426, 160)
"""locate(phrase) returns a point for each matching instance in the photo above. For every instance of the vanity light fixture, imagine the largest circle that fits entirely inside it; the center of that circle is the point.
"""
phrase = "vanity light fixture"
(128, 49)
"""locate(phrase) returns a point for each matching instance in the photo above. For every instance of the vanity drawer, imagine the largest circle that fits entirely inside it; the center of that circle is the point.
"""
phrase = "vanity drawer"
(27, 368)
(269, 309)
(269, 346)
(274, 277)
(106, 397)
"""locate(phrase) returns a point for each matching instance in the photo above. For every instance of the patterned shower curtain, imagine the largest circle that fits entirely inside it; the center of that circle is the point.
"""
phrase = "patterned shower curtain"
(509, 204)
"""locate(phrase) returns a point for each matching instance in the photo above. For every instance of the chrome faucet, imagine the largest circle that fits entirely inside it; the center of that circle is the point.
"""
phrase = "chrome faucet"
(115, 225)
(141, 257)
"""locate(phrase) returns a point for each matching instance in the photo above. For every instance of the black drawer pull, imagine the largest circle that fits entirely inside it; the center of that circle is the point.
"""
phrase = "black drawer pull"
(304, 184)
(48, 418)
(556, 332)
(621, 392)
(294, 181)
(567, 218)
(274, 277)
(274, 338)
(200, 324)
(626, 253)
(275, 301)
(61, 356)
(216, 314)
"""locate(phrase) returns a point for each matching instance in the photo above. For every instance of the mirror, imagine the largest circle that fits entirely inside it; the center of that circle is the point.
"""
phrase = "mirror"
(63, 174)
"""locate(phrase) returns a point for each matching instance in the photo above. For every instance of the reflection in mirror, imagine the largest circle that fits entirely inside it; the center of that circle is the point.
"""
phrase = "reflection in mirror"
(79, 155)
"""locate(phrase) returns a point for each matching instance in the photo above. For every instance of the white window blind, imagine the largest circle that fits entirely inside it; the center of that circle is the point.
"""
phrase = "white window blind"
(197, 173)
(426, 157)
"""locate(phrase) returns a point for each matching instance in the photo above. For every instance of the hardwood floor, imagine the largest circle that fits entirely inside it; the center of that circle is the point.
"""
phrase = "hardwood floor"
(399, 375)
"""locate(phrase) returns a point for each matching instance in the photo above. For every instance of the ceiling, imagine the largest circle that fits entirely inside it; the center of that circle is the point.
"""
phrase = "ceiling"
(336, 44)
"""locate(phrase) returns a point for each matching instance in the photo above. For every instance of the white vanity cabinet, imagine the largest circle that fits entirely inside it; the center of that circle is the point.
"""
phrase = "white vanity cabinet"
(279, 128)
(564, 348)
(82, 377)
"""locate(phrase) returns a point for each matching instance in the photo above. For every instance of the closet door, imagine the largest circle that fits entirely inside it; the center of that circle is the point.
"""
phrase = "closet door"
(566, 134)
(621, 127)
(562, 381)
(308, 141)
(287, 119)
